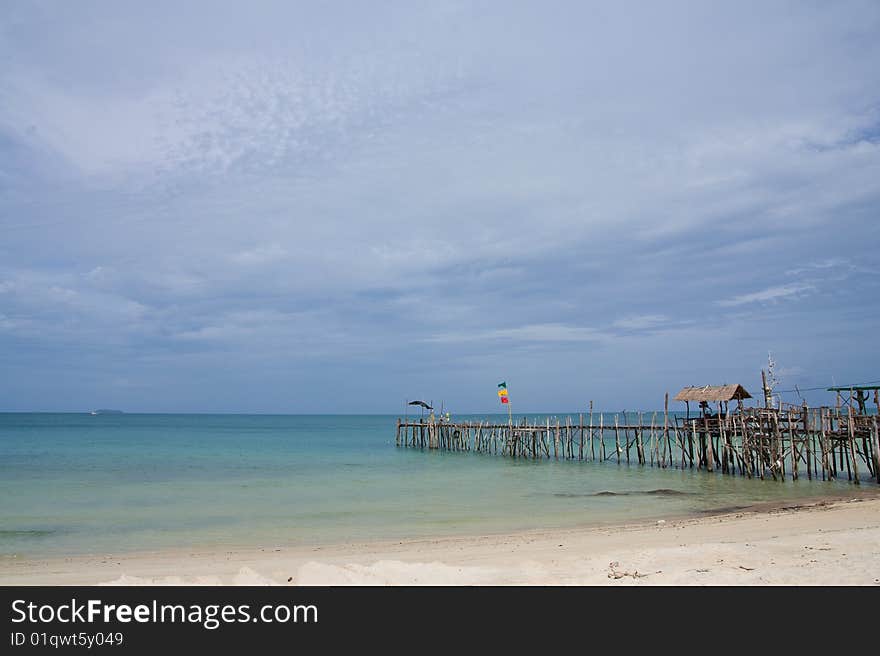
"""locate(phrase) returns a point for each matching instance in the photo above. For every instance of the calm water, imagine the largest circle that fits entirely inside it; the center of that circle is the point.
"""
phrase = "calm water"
(75, 483)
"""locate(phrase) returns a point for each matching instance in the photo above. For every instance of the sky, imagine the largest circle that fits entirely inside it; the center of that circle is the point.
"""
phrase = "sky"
(324, 207)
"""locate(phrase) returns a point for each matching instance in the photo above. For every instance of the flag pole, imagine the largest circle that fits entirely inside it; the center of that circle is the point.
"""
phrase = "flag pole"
(505, 399)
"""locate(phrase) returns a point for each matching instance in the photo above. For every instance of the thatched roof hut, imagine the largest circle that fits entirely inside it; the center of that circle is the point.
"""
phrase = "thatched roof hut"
(714, 393)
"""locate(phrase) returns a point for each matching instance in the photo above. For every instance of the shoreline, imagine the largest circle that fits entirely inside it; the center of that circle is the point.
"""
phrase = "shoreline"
(813, 542)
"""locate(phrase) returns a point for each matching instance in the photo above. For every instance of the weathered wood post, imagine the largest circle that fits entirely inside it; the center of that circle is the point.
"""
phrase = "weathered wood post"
(592, 449)
(556, 441)
(570, 437)
(617, 437)
(667, 443)
(707, 447)
(876, 446)
(692, 436)
(852, 444)
(768, 399)
(778, 454)
(581, 427)
(808, 450)
(826, 473)
(655, 443)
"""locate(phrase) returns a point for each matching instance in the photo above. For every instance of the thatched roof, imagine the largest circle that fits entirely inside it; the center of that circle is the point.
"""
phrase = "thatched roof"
(713, 393)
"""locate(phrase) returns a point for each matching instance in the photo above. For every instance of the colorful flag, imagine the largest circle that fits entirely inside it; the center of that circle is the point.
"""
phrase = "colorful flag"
(502, 392)
(504, 399)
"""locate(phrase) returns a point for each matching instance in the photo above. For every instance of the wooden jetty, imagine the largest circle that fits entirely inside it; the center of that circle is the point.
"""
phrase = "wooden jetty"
(763, 442)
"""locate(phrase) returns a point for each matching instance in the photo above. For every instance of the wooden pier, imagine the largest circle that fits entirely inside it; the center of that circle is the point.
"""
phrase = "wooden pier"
(785, 441)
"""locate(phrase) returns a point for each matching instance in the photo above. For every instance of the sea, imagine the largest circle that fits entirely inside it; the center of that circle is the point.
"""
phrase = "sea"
(76, 484)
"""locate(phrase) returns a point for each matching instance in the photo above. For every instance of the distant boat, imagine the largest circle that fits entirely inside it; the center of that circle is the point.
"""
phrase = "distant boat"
(105, 411)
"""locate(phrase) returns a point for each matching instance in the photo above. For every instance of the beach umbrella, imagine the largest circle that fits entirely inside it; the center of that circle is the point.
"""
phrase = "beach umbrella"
(421, 404)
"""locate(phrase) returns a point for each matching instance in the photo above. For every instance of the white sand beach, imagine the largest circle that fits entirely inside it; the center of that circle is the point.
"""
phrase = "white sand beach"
(820, 543)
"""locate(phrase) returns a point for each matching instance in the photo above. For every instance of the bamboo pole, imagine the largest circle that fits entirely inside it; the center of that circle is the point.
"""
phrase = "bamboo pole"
(708, 451)
(655, 444)
(680, 437)
(581, 445)
(807, 452)
(746, 448)
(556, 442)
(852, 445)
(592, 450)
(757, 439)
(571, 437)
(640, 442)
(617, 437)
(547, 443)
(667, 444)
(876, 445)
(691, 438)
(778, 449)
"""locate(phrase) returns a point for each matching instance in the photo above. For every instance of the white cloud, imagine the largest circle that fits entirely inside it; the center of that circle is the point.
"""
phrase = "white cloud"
(641, 321)
(771, 294)
(433, 179)
(260, 255)
(542, 332)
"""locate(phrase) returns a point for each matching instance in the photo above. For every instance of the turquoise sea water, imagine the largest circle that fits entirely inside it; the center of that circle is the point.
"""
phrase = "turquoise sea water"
(76, 483)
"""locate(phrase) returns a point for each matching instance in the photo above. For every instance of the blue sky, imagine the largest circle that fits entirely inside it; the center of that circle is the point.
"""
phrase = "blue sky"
(333, 207)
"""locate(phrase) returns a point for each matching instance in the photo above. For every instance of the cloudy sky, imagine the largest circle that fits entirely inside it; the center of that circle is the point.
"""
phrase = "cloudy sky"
(333, 207)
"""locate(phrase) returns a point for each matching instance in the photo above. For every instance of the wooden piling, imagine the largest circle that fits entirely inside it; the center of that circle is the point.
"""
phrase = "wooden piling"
(592, 450)
(556, 442)
(875, 446)
(852, 445)
(806, 419)
(667, 444)
(581, 444)
(617, 437)
(708, 450)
